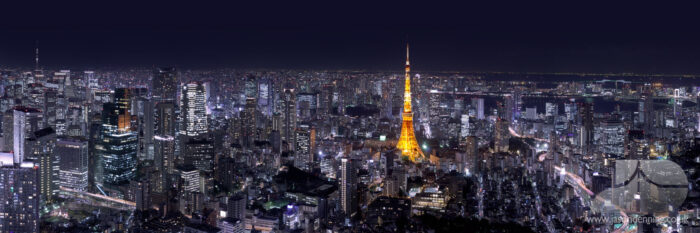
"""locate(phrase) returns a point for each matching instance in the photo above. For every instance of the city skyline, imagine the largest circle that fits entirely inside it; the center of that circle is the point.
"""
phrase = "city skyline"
(295, 117)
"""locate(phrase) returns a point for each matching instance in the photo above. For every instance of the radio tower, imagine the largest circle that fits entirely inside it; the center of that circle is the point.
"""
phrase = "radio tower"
(36, 56)
(407, 142)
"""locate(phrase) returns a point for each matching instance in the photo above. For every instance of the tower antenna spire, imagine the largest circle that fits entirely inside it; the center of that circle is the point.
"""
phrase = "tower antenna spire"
(36, 56)
(407, 47)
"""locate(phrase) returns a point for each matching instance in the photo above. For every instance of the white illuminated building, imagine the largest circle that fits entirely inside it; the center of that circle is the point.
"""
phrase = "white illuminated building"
(194, 109)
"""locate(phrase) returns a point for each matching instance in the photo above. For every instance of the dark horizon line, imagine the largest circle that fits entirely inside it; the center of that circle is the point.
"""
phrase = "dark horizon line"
(398, 71)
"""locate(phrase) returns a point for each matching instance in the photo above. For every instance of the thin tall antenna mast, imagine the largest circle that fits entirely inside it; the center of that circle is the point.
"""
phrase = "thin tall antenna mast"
(36, 56)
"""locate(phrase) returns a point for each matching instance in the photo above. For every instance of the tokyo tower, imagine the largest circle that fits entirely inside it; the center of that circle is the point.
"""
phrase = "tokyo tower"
(407, 142)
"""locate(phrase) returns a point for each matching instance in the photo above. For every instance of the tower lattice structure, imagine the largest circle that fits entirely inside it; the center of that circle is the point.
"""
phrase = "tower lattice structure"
(407, 142)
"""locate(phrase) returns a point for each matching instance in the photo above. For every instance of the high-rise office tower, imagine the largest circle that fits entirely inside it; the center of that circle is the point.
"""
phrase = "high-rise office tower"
(141, 193)
(61, 78)
(434, 114)
(647, 112)
(189, 178)
(465, 126)
(501, 135)
(264, 98)
(51, 97)
(478, 104)
(164, 161)
(637, 146)
(7, 122)
(164, 118)
(118, 146)
(38, 143)
(94, 157)
(164, 84)
(611, 137)
(586, 129)
(348, 186)
(251, 87)
(248, 117)
(146, 128)
(200, 153)
(472, 152)
(407, 141)
(551, 109)
(235, 129)
(553, 143)
(326, 100)
(304, 146)
(19, 195)
(517, 104)
(92, 81)
(308, 103)
(289, 116)
(122, 100)
(570, 111)
(42, 145)
(509, 111)
(531, 113)
(73, 162)
(193, 104)
(25, 121)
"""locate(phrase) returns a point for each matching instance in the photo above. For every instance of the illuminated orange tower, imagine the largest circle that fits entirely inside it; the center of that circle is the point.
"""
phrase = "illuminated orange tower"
(407, 142)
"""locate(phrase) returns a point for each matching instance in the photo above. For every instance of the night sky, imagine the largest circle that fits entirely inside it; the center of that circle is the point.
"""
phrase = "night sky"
(498, 36)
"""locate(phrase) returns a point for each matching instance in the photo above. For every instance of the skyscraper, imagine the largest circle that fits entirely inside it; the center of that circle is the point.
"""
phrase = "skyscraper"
(19, 195)
(586, 129)
(164, 161)
(348, 186)
(305, 140)
(264, 93)
(289, 116)
(407, 141)
(647, 112)
(44, 142)
(434, 114)
(193, 103)
(570, 110)
(637, 146)
(611, 137)
(501, 135)
(7, 136)
(479, 105)
(141, 191)
(146, 127)
(164, 118)
(189, 178)
(551, 109)
(251, 87)
(472, 152)
(118, 146)
(248, 116)
(122, 100)
(26, 120)
(73, 163)
(164, 84)
(164, 144)
(199, 152)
